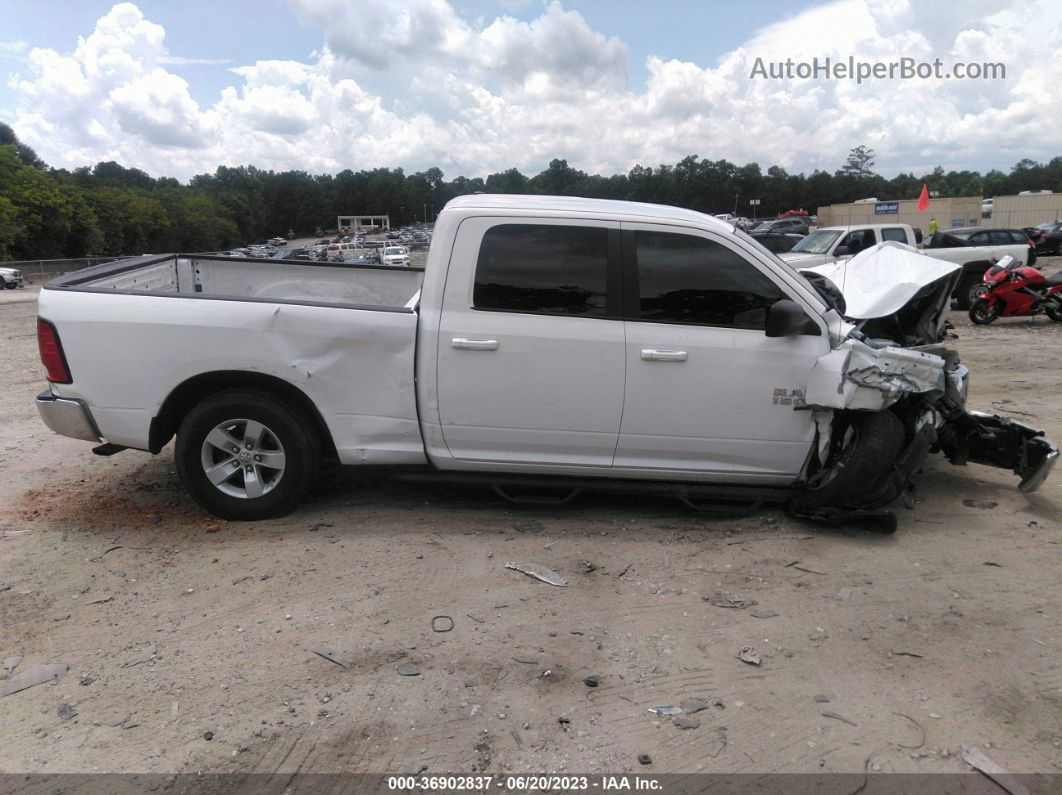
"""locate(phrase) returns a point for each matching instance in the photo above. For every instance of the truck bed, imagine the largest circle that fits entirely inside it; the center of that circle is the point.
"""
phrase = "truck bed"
(344, 336)
(246, 279)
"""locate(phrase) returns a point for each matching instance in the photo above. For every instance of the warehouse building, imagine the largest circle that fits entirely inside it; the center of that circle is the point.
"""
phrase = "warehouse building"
(357, 223)
(1008, 212)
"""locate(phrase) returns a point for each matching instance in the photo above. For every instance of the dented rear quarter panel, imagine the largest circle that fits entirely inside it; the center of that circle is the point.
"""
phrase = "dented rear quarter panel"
(127, 352)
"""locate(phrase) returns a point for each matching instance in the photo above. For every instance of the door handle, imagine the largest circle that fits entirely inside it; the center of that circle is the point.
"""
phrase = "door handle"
(464, 344)
(651, 355)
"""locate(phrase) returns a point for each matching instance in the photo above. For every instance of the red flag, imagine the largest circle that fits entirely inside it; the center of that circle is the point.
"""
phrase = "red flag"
(923, 199)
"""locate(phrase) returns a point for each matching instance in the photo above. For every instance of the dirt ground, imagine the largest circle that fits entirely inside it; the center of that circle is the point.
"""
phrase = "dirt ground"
(877, 652)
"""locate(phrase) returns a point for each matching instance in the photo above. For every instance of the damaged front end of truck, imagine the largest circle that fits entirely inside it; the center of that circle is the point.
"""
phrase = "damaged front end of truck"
(891, 392)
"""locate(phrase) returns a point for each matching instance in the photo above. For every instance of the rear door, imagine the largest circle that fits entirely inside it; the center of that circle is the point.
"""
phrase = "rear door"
(531, 348)
(708, 394)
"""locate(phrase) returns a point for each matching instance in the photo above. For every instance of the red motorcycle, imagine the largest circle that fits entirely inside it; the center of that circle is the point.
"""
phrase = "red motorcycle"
(1011, 290)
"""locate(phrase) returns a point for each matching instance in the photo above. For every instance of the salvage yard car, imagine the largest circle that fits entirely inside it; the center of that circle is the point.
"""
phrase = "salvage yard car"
(11, 278)
(549, 342)
(831, 243)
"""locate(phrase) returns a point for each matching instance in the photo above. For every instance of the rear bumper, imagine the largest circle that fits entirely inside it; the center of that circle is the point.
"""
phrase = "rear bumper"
(67, 417)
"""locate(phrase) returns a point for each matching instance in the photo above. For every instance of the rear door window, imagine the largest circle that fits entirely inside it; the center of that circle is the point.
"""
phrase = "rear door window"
(543, 269)
(695, 281)
(894, 233)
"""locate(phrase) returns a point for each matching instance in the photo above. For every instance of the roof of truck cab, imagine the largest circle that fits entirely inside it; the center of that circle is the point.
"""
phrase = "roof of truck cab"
(570, 204)
(850, 227)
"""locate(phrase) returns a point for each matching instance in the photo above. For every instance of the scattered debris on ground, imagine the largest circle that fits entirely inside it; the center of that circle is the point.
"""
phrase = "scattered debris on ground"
(539, 573)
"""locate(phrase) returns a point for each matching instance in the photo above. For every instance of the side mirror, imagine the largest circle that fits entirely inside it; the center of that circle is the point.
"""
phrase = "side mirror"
(841, 251)
(785, 318)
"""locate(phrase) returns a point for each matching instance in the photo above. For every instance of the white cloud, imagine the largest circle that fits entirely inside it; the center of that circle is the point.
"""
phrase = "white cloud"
(414, 84)
(180, 60)
(11, 49)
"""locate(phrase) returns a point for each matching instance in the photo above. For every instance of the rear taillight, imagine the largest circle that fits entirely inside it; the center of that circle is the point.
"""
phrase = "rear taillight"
(52, 356)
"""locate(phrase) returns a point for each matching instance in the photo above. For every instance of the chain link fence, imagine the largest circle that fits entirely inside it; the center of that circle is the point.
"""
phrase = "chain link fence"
(38, 271)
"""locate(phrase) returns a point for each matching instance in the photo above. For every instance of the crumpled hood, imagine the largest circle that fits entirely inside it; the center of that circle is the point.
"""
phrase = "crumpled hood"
(879, 281)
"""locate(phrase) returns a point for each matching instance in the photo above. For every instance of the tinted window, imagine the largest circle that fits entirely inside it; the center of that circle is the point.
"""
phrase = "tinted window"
(553, 270)
(978, 239)
(690, 280)
(894, 233)
(999, 238)
(859, 240)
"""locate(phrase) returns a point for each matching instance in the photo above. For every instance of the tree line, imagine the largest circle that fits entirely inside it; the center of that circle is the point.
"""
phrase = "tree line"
(109, 209)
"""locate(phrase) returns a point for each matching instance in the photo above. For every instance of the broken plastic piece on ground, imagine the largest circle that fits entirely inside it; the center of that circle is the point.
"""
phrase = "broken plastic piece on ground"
(684, 722)
(442, 624)
(666, 709)
(749, 655)
(331, 655)
(12, 660)
(33, 675)
(539, 573)
(645, 759)
(408, 670)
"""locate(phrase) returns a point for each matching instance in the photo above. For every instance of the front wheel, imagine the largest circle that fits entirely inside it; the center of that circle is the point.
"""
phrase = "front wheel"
(246, 456)
(982, 313)
(10, 285)
(864, 448)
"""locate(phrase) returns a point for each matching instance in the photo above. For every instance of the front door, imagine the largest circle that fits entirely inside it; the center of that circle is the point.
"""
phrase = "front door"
(708, 394)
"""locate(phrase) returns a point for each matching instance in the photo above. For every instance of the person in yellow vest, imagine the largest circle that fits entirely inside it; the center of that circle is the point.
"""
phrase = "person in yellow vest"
(934, 225)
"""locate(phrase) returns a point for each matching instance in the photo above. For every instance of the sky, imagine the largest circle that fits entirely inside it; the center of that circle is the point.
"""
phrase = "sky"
(474, 87)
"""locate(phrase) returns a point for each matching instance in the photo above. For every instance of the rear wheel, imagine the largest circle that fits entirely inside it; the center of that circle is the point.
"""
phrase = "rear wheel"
(969, 290)
(245, 455)
(1053, 309)
(982, 313)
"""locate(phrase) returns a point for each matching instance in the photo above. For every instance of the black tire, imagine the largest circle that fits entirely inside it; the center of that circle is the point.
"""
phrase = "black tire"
(10, 285)
(1053, 309)
(982, 314)
(968, 290)
(287, 427)
(876, 441)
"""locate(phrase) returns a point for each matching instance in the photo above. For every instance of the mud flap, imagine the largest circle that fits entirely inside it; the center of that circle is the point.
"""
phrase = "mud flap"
(974, 437)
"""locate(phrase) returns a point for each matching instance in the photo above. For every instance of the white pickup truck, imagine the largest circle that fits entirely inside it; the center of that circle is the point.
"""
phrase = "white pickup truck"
(549, 341)
(831, 243)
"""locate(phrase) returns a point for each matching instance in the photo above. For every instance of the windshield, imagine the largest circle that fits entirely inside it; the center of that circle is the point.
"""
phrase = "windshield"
(390, 251)
(818, 242)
